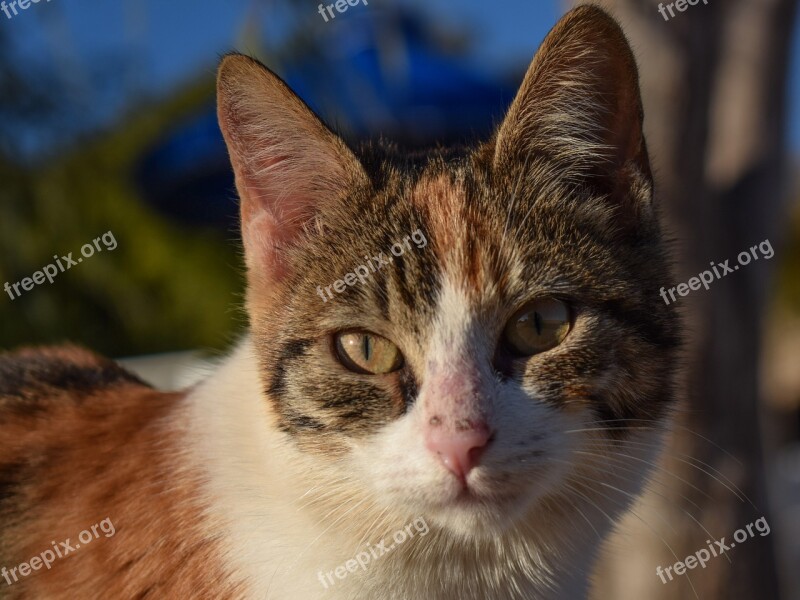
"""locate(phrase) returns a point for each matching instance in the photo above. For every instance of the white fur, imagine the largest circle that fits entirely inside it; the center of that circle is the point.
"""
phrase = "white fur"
(285, 516)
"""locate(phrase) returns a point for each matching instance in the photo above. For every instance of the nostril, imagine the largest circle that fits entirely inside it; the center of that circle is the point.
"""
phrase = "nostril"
(474, 454)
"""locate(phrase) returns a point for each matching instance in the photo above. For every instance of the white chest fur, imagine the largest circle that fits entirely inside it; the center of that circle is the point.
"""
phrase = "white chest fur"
(287, 527)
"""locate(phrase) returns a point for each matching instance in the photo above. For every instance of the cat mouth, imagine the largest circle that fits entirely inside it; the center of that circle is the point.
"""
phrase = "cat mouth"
(478, 496)
(476, 514)
(467, 496)
(472, 503)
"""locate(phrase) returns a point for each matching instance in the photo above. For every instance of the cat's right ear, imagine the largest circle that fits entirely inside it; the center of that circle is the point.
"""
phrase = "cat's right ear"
(579, 109)
(287, 163)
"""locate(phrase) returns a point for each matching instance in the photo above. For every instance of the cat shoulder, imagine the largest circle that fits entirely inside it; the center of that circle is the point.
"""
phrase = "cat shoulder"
(41, 380)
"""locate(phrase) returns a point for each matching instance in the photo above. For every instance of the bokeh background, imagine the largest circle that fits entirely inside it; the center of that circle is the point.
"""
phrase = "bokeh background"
(107, 122)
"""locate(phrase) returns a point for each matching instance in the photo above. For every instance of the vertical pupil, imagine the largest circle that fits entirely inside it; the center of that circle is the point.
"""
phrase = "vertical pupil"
(366, 347)
(537, 321)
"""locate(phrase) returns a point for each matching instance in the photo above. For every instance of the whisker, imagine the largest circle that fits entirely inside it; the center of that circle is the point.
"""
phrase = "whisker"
(657, 471)
(328, 528)
(633, 512)
(616, 489)
(675, 426)
(686, 512)
(684, 458)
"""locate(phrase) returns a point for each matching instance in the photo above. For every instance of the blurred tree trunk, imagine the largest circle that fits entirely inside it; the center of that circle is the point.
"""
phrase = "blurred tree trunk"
(714, 82)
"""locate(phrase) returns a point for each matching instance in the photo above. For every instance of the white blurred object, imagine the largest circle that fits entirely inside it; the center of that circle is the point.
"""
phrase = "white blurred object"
(171, 371)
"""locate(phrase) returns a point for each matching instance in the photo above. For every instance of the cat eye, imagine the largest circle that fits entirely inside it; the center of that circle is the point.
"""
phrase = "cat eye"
(367, 353)
(538, 326)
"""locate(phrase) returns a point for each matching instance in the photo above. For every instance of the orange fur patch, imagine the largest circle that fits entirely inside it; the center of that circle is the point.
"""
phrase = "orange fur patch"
(444, 203)
(112, 451)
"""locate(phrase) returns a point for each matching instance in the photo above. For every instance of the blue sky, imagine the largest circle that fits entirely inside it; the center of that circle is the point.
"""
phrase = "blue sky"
(177, 38)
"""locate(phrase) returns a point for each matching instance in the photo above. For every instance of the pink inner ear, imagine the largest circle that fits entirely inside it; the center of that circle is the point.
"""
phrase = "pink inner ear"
(287, 163)
(272, 218)
(279, 185)
(265, 240)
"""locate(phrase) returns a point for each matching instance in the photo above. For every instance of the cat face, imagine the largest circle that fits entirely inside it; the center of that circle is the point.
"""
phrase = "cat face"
(501, 364)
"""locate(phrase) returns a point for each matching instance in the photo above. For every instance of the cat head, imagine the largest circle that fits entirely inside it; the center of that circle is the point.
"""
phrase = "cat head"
(463, 334)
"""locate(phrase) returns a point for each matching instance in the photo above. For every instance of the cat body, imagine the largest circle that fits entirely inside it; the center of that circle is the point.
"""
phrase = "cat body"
(206, 505)
(467, 421)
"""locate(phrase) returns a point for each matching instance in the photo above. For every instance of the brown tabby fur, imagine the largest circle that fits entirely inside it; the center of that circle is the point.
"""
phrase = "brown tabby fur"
(557, 204)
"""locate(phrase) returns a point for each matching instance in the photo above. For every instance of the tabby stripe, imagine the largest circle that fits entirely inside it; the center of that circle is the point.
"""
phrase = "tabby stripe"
(290, 350)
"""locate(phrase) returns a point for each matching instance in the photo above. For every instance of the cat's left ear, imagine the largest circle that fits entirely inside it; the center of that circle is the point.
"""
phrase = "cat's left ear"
(580, 109)
(288, 164)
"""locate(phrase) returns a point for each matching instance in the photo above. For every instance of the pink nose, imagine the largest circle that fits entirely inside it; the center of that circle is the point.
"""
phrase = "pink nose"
(458, 448)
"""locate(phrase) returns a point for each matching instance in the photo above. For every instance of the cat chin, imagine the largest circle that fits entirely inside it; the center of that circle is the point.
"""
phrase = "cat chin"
(494, 502)
(471, 516)
(470, 522)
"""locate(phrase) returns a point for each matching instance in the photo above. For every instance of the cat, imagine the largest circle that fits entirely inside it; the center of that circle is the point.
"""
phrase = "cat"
(496, 395)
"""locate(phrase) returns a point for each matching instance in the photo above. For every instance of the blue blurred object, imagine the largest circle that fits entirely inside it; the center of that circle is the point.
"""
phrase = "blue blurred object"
(377, 72)
(187, 175)
(385, 72)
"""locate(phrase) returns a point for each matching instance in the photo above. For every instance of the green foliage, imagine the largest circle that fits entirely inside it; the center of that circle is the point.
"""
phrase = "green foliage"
(165, 286)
